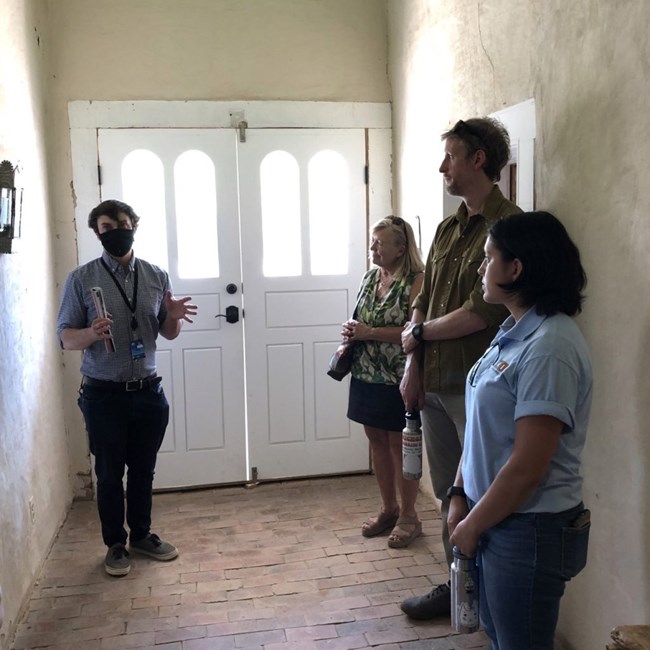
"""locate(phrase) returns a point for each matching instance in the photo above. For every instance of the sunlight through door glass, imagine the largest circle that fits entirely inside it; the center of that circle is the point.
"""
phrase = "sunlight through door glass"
(280, 197)
(329, 215)
(143, 188)
(196, 216)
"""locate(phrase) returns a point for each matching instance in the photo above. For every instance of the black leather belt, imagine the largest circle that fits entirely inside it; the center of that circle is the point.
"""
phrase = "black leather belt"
(118, 386)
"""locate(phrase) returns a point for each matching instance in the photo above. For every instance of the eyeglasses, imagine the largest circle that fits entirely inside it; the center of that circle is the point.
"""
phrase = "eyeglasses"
(400, 223)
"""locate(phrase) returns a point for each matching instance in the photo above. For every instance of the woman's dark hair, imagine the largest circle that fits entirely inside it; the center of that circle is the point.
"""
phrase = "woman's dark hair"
(112, 209)
(552, 276)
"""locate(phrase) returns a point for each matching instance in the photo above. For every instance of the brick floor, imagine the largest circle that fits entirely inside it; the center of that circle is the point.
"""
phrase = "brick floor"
(281, 566)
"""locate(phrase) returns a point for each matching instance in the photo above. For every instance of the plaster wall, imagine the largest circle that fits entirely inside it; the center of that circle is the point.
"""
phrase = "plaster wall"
(312, 50)
(33, 450)
(585, 64)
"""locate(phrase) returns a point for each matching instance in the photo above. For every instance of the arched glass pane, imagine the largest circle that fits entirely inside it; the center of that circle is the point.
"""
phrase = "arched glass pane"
(280, 196)
(329, 213)
(143, 188)
(196, 216)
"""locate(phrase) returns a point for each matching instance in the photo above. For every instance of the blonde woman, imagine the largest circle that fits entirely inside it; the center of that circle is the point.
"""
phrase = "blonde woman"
(386, 294)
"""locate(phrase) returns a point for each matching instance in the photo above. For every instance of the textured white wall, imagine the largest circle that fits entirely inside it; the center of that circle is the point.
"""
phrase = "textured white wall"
(585, 63)
(33, 449)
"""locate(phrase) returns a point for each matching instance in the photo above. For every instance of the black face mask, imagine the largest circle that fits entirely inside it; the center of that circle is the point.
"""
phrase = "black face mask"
(117, 242)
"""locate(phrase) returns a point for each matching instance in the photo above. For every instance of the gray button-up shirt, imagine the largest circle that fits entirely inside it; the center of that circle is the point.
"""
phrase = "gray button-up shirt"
(77, 311)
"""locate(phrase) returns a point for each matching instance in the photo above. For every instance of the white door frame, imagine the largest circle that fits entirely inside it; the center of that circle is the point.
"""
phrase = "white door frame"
(87, 117)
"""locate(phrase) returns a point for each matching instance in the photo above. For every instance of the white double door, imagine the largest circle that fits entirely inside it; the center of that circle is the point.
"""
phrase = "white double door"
(249, 399)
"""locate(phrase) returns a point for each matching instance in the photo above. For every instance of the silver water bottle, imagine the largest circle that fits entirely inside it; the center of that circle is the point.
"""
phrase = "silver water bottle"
(412, 447)
(464, 593)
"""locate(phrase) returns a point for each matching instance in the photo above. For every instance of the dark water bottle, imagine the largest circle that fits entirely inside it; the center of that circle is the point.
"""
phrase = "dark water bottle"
(412, 447)
(464, 593)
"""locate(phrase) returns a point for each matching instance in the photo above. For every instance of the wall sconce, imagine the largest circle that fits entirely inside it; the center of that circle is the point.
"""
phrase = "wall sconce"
(11, 208)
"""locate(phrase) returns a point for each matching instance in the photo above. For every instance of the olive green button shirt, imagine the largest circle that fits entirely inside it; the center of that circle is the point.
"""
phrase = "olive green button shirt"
(451, 281)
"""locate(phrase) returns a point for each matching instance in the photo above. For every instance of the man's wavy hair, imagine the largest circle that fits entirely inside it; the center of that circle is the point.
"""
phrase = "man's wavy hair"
(112, 209)
(487, 134)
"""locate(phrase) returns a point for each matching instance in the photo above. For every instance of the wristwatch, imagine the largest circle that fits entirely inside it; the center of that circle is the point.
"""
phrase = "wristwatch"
(416, 332)
(456, 491)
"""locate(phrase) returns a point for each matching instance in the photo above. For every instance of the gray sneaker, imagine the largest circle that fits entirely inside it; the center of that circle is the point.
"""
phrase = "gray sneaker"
(117, 561)
(154, 547)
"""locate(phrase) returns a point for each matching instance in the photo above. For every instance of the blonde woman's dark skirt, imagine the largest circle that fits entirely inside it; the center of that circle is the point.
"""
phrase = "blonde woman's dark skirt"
(376, 405)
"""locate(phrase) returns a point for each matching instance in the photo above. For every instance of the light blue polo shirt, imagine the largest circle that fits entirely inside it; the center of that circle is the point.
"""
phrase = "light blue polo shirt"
(539, 365)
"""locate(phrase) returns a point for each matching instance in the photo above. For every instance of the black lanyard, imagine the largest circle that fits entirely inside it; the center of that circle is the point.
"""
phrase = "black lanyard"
(134, 320)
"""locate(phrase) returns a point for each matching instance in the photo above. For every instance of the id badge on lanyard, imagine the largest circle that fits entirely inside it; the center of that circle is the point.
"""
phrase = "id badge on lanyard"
(137, 349)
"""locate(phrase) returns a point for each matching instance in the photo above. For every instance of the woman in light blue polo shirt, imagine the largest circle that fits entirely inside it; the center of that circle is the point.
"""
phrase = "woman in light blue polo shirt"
(527, 401)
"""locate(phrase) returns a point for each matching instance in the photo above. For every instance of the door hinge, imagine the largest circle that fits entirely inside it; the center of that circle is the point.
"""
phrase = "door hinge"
(99, 174)
(366, 174)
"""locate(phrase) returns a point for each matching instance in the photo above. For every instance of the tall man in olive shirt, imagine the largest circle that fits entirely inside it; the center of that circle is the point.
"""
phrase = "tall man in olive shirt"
(452, 325)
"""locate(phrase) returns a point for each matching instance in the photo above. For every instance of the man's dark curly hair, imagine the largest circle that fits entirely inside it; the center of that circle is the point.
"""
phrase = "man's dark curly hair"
(112, 209)
(487, 134)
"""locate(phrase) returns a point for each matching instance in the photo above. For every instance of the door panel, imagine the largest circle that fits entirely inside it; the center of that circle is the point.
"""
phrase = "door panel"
(297, 421)
(205, 442)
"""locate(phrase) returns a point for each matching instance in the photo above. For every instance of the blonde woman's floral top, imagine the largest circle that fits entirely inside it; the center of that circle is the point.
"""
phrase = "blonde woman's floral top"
(376, 362)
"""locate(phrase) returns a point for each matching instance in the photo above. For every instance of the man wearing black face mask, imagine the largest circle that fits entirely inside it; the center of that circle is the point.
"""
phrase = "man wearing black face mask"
(123, 404)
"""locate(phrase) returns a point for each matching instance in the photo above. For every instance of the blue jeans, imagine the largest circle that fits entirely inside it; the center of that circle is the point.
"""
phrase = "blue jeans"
(125, 429)
(524, 563)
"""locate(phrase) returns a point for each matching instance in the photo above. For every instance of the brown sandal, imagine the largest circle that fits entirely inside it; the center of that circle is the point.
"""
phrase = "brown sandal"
(377, 525)
(401, 537)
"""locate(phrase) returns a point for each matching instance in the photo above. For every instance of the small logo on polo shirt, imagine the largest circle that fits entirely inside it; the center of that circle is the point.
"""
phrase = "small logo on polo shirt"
(501, 366)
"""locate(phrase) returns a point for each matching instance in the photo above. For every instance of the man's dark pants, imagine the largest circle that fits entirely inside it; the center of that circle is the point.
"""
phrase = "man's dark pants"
(124, 429)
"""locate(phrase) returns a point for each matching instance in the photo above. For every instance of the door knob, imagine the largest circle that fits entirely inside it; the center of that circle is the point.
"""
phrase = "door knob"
(231, 315)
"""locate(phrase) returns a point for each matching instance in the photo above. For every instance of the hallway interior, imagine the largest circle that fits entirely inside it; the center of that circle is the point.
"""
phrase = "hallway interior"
(281, 566)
